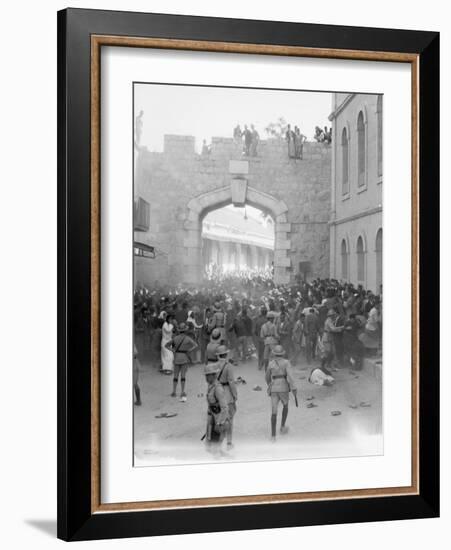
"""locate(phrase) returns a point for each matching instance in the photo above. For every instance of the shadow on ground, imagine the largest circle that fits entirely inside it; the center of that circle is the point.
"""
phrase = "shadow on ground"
(46, 526)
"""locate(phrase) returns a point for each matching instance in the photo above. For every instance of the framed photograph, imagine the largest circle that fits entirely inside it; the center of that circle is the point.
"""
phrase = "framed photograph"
(248, 274)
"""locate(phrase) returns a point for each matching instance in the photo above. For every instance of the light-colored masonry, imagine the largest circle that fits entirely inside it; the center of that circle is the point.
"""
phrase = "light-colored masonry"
(182, 186)
(357, 181)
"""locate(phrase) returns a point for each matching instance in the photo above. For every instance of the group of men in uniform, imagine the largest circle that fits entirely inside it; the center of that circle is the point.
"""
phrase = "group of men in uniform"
(222, 396)
(222, 392)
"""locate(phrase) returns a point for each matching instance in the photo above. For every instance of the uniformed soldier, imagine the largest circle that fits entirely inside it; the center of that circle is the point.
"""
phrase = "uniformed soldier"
(280, 382)
(218, 320)
(181, 345)
(136, 376)
(227, 379)
(218, 408)
(213, 345)
(269, 336)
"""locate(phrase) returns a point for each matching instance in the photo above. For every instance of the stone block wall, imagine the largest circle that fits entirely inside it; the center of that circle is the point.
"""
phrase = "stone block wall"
(171, 179)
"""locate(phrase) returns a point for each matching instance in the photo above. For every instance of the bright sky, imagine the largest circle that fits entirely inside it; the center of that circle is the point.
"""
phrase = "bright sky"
(205, 112)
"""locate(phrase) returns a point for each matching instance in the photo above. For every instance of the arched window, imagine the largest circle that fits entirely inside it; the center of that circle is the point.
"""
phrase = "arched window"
(378, 261)
(345, 161)
(379, 135)
(361, 152)
(344, 260)
(360, 260)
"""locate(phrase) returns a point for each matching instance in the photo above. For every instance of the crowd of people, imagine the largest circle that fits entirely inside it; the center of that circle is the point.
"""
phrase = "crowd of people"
(325, 323)
(249, 138)
(247, 276)
(323, 136)
(325, 318)
(295, 141)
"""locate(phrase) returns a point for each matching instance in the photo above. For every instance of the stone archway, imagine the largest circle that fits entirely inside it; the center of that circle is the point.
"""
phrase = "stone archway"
(238, 193)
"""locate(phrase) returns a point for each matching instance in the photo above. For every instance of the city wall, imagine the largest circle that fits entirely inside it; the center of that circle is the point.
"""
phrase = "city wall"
(182, 186)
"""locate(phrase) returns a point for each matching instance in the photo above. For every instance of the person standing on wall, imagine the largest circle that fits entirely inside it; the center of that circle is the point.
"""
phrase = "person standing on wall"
(237, 134)
(254, 141)
(289, 136)
(247, 140)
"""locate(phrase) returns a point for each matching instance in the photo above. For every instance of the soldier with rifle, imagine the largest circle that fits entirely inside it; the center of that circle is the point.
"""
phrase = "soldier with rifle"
(227, 379)
(218, 407)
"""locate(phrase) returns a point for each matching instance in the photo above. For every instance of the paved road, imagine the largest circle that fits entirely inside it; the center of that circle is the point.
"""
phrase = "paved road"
(314, 432)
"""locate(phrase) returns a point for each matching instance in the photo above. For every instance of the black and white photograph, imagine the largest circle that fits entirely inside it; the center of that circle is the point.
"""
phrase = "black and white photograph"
(222, 274)
(257, 270)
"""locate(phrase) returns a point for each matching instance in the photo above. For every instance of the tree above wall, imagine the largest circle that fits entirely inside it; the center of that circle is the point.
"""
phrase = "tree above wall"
(277, 129)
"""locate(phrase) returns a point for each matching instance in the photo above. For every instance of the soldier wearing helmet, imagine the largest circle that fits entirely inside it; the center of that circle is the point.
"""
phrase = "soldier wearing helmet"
(280, 382)
(218, 409)
(218, 320)
(181, 345)
(270, 336)
(213, 345)
(227, 379)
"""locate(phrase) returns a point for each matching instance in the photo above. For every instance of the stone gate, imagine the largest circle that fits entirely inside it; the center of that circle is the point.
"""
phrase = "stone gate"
(182, 186)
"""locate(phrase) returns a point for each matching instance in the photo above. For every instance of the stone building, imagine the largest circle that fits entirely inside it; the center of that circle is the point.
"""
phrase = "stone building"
(181, 187)
(356, 199)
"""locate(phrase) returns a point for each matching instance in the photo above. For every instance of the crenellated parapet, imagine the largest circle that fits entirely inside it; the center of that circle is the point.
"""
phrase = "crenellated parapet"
(174, 180)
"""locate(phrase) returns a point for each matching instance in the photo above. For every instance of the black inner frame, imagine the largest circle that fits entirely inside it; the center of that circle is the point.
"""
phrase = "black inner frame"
(75, 521)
